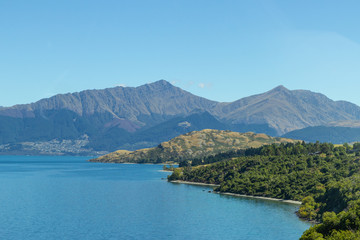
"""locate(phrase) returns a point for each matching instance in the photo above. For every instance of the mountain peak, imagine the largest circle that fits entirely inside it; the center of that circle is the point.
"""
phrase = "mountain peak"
(280, 88)
(161, 82)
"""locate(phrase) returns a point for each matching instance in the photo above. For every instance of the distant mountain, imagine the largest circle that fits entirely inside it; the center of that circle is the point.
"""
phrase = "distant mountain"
(133, 118)
(193, 145)
(286, 110)
(161, 132)
(175, 127)
(100, 114)
(128, 108)
(336, 135)
(348, 123)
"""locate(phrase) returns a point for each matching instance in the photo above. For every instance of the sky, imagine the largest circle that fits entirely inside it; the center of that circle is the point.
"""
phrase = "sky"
(221, 50)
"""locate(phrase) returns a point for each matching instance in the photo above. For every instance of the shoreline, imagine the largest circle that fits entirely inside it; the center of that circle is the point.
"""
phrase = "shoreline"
(195, 183)
(259, 197)
(164, 163)
(236, 194)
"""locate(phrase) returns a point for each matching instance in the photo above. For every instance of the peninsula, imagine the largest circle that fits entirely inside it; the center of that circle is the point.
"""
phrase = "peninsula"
(193, 145)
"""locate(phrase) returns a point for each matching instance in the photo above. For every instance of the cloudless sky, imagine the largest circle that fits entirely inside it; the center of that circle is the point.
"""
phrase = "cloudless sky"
(222, 50)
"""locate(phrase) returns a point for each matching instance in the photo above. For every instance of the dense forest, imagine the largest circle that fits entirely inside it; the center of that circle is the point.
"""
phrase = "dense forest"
(326, 178)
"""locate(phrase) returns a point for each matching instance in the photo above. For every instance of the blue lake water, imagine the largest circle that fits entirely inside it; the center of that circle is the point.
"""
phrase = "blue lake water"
(61, 197)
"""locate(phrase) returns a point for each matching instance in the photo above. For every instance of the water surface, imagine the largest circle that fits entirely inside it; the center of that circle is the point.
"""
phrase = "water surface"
(70, 198)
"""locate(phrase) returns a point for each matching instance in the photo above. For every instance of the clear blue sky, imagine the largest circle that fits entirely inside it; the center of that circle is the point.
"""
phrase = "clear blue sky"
(222, 50)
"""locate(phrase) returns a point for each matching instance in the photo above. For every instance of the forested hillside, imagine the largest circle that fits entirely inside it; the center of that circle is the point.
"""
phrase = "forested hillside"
(323, 176)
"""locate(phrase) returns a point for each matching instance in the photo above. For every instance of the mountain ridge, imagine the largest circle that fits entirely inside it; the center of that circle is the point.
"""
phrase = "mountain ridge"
(107, 100)
(294, 108)
(113, 114)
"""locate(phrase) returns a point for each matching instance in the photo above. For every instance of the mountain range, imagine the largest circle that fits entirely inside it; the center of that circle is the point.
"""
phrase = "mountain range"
(137, 117)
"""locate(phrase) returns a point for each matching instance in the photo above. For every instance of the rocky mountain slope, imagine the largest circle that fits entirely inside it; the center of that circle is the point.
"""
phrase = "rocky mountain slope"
(335, 135)
(286, 110)
(193, 145)
(130, 108)
(133, 118)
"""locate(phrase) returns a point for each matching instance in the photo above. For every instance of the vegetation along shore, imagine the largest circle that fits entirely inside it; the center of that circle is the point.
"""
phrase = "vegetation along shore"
(234, 194)
(323, 177)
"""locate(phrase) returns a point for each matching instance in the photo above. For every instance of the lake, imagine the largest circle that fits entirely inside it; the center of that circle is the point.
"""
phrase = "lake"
(64, 197)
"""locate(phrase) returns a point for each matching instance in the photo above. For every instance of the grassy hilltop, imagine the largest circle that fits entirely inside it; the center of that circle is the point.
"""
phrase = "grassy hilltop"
(196, 144)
